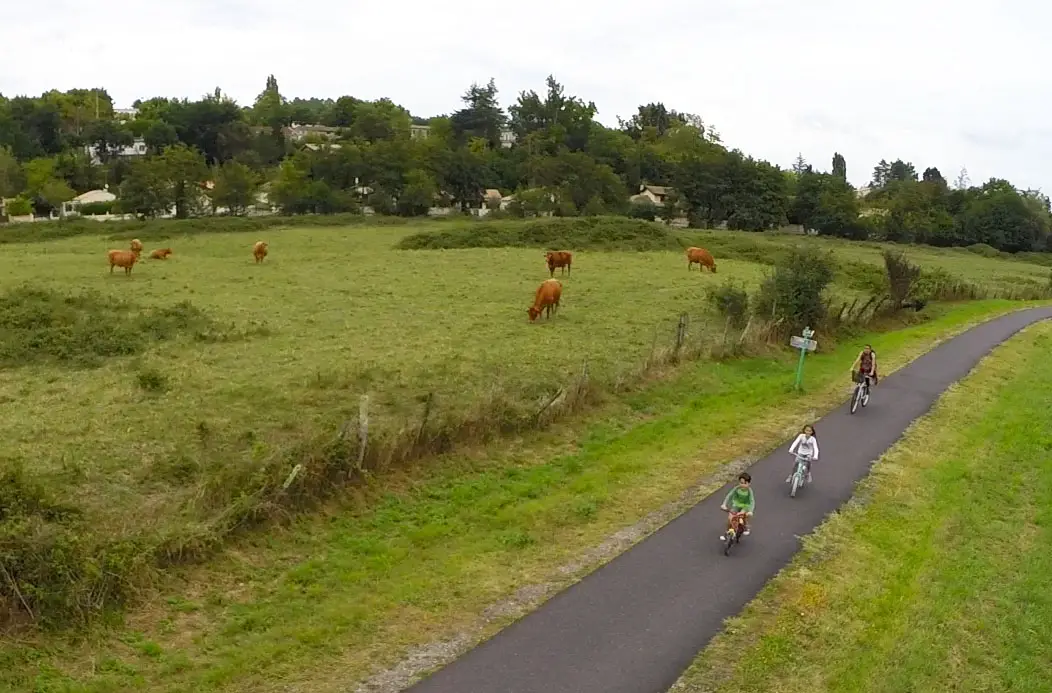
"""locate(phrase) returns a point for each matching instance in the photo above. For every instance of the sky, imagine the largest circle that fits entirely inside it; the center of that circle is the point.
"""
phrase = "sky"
(945, 83)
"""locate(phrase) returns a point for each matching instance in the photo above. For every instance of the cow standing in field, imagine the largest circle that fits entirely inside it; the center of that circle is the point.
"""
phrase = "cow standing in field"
(259, 251)
(702, 257)
(161, 254)
(558, 258)
(547, 299)
(123, 258)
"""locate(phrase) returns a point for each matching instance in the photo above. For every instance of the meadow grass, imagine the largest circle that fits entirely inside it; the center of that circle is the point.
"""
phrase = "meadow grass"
(996, 271)
(330, 315)
(332, 598)
(937, 576)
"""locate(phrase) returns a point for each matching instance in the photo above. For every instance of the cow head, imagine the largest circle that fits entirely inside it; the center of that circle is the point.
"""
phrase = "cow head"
(533, 313)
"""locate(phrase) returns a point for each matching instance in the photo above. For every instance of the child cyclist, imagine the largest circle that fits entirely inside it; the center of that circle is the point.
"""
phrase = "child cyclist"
(740, 499)
(805, 445)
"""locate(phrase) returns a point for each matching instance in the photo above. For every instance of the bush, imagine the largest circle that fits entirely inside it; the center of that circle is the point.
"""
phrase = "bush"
(731, 301)
(794, 291)
(645, 210)
(902, 276)
(93, 208)
(19, 207)
(985, 250)
(603, 233)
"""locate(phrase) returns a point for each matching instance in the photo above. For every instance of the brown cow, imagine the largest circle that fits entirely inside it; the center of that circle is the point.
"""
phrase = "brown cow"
(259, 251)
(136, 245)
(123, 258)
(702, 257)
(558, 258)
(161, 254)
(547, 299)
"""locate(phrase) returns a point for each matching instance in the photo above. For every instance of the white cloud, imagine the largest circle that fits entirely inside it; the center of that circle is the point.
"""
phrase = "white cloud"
(937, 82)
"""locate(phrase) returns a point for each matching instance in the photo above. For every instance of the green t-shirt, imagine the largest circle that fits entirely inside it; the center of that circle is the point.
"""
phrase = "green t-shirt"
(740, 499)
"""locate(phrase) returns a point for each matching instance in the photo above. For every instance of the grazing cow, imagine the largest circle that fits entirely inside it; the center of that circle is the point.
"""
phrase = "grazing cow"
(547, 299)
(702, 257)
(136, 245)
(123, 258)
(161, 254)
(558, 258)
(259, 251)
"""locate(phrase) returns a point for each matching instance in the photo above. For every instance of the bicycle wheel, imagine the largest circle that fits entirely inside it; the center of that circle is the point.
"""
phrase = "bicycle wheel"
(865, 396)
(730, 542)
(856, 398)
(796, 483)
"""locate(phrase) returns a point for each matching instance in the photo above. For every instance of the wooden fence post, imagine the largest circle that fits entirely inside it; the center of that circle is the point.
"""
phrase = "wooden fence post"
(363, 429)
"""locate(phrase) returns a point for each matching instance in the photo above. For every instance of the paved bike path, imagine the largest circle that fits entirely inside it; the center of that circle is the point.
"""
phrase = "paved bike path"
(636, 623)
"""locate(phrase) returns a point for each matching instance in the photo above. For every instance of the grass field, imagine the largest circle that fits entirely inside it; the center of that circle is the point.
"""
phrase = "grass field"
(330, 315)
(283, 350)
(215, 368)
(938, 577)
(337, 596)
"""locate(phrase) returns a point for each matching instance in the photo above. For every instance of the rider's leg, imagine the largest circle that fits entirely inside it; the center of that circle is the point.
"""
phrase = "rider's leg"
(730, 525)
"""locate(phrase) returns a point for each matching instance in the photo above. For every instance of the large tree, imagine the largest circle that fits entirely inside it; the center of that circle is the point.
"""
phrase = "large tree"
(481, 116)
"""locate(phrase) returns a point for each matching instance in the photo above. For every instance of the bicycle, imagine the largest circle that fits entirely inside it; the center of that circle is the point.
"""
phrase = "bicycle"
(800, 474)
(734, 532)
(861, 393)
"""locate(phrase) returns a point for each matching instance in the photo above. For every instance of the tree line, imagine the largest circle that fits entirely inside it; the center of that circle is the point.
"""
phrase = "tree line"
(212, 154)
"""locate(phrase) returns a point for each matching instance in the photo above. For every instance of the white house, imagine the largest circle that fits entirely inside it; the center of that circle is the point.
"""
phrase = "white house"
(136, 148)
(123, 114)
(90, 197)
(419, 132)
(655, 194)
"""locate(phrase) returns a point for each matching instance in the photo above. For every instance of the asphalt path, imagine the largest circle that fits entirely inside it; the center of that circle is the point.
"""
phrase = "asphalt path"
(635, 624)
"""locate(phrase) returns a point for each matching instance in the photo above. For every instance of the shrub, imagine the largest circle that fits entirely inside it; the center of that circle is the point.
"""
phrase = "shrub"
(730, 300)
(985, 250)
(793, 292)
(902, 276)
(644, 209)
(19, 207)
(605, 233)
(93, 208)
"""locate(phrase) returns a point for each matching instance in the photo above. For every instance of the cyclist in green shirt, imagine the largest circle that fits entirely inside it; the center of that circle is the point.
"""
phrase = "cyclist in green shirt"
(741, 498)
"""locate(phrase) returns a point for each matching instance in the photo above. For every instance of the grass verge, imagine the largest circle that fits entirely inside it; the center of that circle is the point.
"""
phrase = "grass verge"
(331, 599)
(938, 576)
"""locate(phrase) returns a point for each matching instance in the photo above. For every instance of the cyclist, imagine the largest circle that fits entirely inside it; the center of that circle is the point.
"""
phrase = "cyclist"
(805, 445)
(740, 499)
(866, 363)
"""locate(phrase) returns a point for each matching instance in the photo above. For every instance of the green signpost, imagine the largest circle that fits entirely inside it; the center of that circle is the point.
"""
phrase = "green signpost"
(804, 344)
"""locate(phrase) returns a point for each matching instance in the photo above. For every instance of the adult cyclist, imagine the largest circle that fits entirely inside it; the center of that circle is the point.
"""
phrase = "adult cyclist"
(866, 364)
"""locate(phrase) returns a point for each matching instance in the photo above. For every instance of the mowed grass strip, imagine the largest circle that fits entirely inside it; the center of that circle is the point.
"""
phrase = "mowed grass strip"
(336, 597)
(939, 577)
